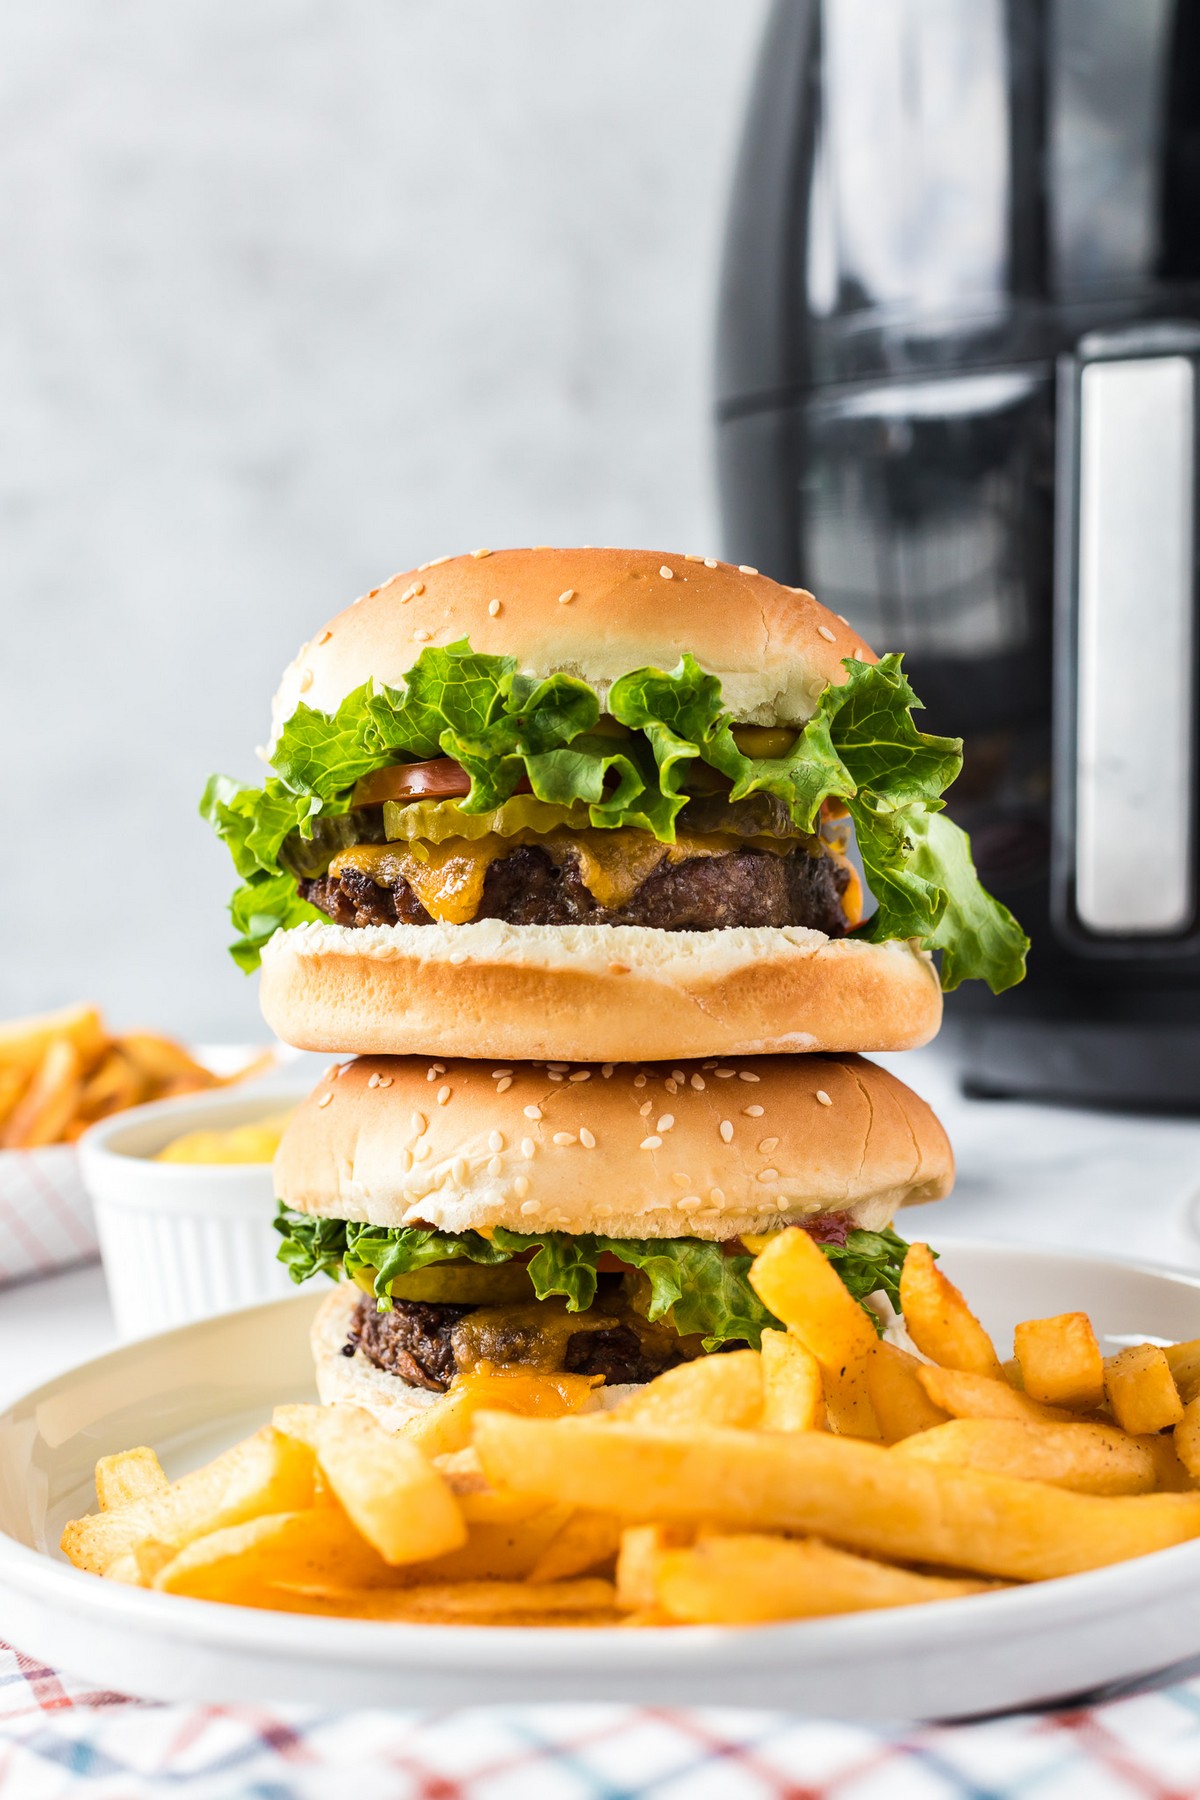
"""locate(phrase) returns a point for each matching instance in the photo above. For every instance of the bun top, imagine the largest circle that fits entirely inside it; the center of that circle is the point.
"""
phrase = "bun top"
(592, 613)
(708, 1150)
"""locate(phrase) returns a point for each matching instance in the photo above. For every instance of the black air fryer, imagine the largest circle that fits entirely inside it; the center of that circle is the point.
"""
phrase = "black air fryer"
(959, 342)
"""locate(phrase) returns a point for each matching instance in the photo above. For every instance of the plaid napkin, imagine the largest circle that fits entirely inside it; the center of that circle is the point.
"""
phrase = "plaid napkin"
(59, 1738)
(46, 1218)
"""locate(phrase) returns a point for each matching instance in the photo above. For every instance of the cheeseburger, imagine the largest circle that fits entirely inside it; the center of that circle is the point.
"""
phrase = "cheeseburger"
(585, 1226)
(602, 803)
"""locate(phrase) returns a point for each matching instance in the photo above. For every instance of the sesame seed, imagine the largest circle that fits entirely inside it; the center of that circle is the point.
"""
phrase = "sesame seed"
(495, 1140)
(458, 1169)
(724, 1074)
(824, 631)
(752, 1112)
(667, 574)
(528, 1147)
(422, 1150)
(651, 1143)
(420, 637)
(606, 1071)
(646, 1109)
(566, 597)
(530, 1207)
(457, 957)
(443, 1094)
(717, 1196)
(746, 1075)
(858, 656)
(385, 1081)
(406, 1160)
(581, 1075)
(560, 1067)
(496, 1073)
(418, 1123)
(341, 1069)
(768, 1174)
(520, 1187)
(410, 593)
(495, 1166)
(666, 1122)
(557, 1075)
(698, 1083)
(690, 557)
(374, 1080)
(504, 1083)
(711, 1064)
(678, 1075)
(768, 1144)
(842, 617)
(494, 608)
(671, 1085)
(480, 554)
(823, 1097)
(306, 680)
(586, 1138)
(565, 1137)
(436, 562)
(325, 1099)
(747, 569)
(688, 1200)
(533, 1112)
(727, 1130)
(639, 1081)
(710, 562)
(437, 1069)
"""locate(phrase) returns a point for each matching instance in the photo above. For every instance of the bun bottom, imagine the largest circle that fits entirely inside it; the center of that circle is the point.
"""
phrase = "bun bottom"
(354, 1381)
(594, 993)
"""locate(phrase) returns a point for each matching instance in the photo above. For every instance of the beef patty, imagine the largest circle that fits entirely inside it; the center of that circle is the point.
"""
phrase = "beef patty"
(702, 893)
(416, 1340)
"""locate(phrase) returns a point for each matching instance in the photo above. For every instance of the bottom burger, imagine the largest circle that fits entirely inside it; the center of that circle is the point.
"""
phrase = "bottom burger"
(576, 1231)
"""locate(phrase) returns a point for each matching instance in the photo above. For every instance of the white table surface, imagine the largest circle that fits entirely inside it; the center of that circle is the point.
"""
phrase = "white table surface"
(1107, 1182)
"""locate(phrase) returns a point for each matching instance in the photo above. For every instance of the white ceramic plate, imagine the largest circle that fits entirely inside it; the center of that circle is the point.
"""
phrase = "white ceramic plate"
(191, 1391)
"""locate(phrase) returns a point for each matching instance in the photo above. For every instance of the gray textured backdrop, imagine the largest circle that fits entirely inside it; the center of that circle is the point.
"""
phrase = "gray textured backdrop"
(293, 295)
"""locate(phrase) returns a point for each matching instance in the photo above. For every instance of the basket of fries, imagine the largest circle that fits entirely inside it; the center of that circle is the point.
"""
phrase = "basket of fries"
(60, 1073)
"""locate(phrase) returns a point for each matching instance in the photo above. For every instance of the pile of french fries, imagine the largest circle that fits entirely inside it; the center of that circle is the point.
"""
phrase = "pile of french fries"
(830, 1472)
(61, 1071)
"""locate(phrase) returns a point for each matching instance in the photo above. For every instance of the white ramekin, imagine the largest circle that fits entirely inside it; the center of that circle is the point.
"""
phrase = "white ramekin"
(182, 1241)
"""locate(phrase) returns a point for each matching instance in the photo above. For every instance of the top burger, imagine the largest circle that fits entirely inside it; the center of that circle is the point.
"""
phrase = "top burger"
(602, 804)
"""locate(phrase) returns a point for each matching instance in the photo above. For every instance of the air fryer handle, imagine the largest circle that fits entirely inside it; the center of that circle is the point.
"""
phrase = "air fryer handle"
(1125, 761)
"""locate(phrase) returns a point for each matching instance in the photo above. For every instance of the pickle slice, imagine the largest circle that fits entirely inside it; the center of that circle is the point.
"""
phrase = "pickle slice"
(459, 1284)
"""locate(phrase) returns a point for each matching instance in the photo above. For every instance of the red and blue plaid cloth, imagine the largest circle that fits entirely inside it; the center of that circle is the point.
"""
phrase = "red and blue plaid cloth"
(59, 1738)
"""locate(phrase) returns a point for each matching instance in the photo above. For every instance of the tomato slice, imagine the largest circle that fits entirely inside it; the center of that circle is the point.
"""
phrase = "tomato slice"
(442, 779)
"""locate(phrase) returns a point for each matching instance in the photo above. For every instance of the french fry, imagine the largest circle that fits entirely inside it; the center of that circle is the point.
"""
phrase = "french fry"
(641, 1550)
(1141, 1389)
(901, 1403)
(393, 1495)
(131, 1475)
(498, 1552)
(46, 1106)
(313, 1549)
(24, 1042)
(446, 1427)
(268, 1473)
(1187, 1438)
(966, 1396)
(1184, 1363)
(1060, 1361)
(713, 1390)
(587, 1541)
(751, 1579)
(586, 1602)
(798, 1283)
(939, 1321)
(859, 1494)
(162, 1062)
(1087, 1459)
(793, 1392)
(13, 1082)
(112, 1086)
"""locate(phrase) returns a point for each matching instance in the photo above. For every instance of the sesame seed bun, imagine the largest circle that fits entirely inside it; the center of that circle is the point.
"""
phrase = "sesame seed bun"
(647, 1151)
(592, 613)
(613, 992)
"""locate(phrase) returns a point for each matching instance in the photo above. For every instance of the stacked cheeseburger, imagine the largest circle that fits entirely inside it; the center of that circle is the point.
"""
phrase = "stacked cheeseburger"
(601, 865)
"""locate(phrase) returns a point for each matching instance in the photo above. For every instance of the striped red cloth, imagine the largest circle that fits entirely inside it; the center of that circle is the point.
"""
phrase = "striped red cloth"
(46, 1218)
(59, 1738)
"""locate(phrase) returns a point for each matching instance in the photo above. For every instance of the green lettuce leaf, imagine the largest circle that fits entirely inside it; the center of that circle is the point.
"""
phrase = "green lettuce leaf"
(861, 747)
(690, 1282)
